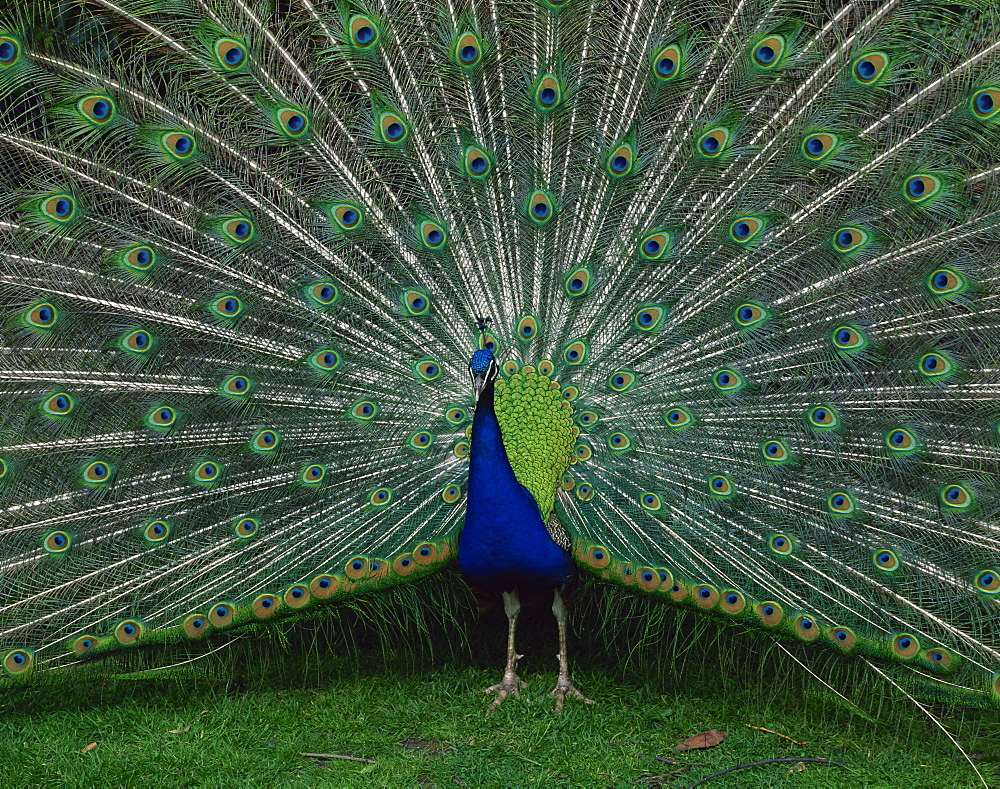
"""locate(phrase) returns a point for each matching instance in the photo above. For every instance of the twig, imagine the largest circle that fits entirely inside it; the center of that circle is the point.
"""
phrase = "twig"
(338, 756)
(778, 733)
(757, 764)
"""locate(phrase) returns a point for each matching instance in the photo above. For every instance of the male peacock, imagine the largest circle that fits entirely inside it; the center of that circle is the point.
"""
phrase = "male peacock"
(741, 263)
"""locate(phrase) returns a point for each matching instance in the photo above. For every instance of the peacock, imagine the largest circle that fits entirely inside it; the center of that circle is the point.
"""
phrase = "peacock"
(306, 299)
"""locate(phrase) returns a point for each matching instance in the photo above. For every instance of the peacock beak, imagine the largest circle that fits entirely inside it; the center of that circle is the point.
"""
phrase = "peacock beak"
(478, 382)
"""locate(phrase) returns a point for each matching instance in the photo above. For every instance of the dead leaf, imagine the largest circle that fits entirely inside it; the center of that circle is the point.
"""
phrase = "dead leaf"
(88, 748)
(707, 739)
(798, 767)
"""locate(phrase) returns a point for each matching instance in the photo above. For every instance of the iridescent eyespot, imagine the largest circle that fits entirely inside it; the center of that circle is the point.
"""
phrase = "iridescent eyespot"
(292, 121)
(98, 473)
(575, 352)
(548, 93)
(921, 187)
(843, 638)
(540, 207)
(179, 144)
(988, 581)
(745, 228)
(206, 472)
(720, 486)
(416, 302)
(455, 415)
(163, 416)
(622, 380)
(748, 315)
(57, 542)
(570, 393)
(806, 628)
(905, 646)
(587, 419)
(393, 128)
(137, 341)
(451, 494)
(840, 503)
(956, 497)
(769, 614)
(221, 614)
(461, 449)
(732, 602)
(935, 365)
(468, 50)
(781, 544)
(667, 63)
(650, 501)
(885, 560)
(59, 404)
(848, 338)
(227, 306)
(568, 482)
(477, 162)
(713, 142)
(945, 282)
(619, 161)
(849, 239)
(585, 491)
(323, 586)
(578, 282)
(420, 440)
(323, 293)
(705, 596)
(365, 410)
(545, 367)
(128, 632)
(938, 659)
(582, 452)
(527, 328)
(428, 553)
(98, 109)
(364, 33)
(347, 217)
(649, 318)
(869, 67)
(428, 369)
(677, 417)
(246, 527)
(775, 451)
(41, 316)
(10, 50)
(985, 103)
(59, 208)
(237, 386)
(139, 258)
(84, 644)
(432, 234)
(230, 53)
(818, 146)
(900, 440)
(325, 360)
(654, 245)
(265, 440)
(195, 626)
(238, 229)
(296, 596)
(619, 442)
(380, 497)
(313, 474)
(156, 531)
(767, 52)
(822, 417)
(727, 381)
(487, 342)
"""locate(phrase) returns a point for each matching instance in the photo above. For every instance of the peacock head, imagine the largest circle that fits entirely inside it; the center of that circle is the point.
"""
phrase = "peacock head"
(483, 369)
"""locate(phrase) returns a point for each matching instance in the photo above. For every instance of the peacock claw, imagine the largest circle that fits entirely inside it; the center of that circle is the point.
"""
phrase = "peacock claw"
(563, 688)
(510, 685)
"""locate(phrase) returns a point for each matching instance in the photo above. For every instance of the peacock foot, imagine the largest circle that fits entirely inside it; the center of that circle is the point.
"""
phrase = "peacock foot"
(510, 685)
(564, 687)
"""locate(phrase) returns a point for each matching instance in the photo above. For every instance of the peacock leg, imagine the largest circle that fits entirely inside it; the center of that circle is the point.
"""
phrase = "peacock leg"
(511, 683)
(564, 685)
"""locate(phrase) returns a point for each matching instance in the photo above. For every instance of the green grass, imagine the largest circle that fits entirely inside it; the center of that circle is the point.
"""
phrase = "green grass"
(332, 685)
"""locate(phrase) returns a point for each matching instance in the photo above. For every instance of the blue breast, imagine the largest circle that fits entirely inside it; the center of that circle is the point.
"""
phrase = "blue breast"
(504, 542)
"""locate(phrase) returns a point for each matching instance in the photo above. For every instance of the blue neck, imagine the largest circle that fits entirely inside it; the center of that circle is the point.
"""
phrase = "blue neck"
(504, 542)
